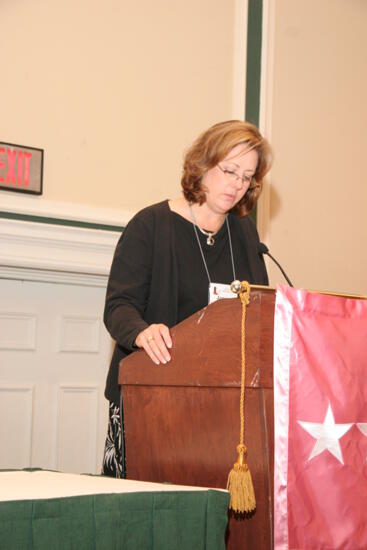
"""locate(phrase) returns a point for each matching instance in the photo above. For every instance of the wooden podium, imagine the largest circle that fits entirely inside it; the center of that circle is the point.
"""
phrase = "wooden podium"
(182, 420)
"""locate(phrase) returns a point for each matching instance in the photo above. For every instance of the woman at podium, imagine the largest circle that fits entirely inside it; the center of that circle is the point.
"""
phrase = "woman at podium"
(177, 256)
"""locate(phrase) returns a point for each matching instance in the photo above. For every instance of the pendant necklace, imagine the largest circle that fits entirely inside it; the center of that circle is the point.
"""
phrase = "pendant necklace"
(209, 234)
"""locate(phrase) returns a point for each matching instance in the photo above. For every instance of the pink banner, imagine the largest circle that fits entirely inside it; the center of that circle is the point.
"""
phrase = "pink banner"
(320, 396)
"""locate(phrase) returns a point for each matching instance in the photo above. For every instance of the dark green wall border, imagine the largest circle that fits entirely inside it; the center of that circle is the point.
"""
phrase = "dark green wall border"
(60, 221)
(253, 66)
(252, 111)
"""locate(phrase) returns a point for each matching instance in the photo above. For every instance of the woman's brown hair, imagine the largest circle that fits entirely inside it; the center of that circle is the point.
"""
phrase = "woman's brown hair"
(211, 147)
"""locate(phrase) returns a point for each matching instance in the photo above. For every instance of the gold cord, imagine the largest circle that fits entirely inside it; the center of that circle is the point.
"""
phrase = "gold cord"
(239, 484)
(245, 300)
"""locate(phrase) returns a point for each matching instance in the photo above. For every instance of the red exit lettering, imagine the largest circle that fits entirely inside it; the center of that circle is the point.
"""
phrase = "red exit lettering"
(14, 167)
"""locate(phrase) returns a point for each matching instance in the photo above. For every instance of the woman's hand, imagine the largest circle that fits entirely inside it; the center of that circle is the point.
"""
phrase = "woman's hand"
(155, 340)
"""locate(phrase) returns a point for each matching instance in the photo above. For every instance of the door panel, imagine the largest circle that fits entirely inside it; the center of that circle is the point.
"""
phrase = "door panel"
(54, 355)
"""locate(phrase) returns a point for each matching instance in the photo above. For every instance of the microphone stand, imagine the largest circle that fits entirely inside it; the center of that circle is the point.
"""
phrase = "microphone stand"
(263, 249)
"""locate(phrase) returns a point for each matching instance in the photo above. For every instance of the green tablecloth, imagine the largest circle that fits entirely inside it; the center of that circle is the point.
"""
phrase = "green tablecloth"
(159, 520)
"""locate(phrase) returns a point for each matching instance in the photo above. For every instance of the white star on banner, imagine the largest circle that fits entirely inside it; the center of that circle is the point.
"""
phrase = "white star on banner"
(327, 435)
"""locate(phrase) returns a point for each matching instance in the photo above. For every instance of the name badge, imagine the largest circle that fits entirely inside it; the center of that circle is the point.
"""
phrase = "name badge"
(217, 291)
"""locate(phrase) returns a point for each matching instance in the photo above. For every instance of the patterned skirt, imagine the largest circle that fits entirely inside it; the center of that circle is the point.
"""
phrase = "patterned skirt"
(114, 464)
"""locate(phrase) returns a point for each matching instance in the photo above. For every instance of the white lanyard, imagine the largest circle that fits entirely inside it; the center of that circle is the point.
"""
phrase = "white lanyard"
(224, 290)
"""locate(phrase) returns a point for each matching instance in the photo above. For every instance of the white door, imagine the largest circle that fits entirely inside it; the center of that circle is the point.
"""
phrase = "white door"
(54, 356)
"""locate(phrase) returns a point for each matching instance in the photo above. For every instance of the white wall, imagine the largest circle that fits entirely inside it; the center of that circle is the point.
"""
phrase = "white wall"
(315, 114)
(115, 91)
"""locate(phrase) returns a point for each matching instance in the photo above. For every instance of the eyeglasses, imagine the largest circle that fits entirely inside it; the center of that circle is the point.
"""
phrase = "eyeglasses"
(233, 176)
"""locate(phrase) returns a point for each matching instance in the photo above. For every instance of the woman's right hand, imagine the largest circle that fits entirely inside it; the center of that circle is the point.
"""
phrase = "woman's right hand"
(155, 340)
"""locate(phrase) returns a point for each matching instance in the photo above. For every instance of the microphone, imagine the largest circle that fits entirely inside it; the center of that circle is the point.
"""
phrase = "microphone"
(263, 249)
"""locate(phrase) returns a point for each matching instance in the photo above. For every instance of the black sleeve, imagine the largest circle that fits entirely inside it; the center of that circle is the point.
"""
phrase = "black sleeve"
(129, 283)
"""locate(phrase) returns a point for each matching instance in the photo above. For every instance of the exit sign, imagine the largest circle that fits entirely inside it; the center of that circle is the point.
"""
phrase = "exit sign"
(21, 168)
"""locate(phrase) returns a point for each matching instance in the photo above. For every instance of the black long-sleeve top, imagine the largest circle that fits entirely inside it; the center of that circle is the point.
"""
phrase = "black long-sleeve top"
(158, 276)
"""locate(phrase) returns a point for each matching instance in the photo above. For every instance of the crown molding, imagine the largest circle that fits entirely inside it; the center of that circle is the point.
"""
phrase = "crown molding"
(54, 253)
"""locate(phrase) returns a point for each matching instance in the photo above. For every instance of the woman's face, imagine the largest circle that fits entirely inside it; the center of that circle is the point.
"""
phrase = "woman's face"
(222, 188)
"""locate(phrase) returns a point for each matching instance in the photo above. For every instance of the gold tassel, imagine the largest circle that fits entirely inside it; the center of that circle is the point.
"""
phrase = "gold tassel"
(241, 490)
(239, 485)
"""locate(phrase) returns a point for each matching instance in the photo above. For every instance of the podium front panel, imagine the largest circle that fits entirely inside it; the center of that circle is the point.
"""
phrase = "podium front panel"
(182, 420)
